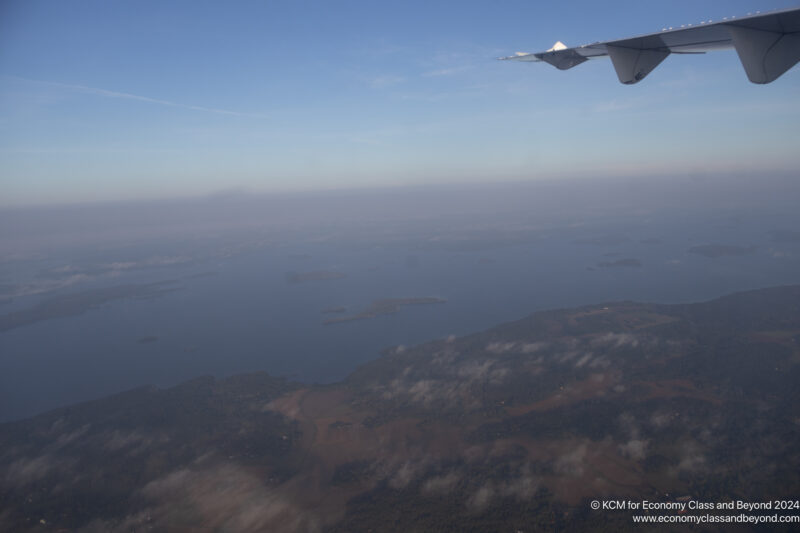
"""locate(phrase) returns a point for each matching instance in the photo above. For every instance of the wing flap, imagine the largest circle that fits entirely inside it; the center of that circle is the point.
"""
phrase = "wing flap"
(633, 64)
(765, 55)
(562, 59)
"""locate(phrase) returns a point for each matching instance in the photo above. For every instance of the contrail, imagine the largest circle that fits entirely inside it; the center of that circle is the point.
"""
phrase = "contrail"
(128, 96)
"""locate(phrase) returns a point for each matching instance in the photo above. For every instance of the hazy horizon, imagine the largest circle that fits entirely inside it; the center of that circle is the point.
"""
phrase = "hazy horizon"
(150, 100)
(135, 293)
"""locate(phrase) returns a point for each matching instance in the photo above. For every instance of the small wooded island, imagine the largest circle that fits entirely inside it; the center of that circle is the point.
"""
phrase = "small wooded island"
(384, 306)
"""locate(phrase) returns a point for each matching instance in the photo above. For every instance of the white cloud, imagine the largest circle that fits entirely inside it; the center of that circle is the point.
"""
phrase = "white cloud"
(533, 347)
(404, 475)
(481, 498)
(67, 438)
(617, 339)
(571, 463)
(473, 370)
(691, 457)
(133, 441)
(441, 485)
(224, 498)
(24, 471)
(500, 347)
(634, 449)
(522, 488)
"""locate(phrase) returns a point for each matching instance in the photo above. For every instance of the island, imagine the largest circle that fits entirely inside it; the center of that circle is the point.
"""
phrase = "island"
(77, 303)
(384, 306)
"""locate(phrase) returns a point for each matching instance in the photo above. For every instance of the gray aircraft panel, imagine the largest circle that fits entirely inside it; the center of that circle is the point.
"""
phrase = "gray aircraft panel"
(768, 44)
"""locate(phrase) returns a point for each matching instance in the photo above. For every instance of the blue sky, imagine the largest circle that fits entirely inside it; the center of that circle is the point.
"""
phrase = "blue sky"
(117, 100)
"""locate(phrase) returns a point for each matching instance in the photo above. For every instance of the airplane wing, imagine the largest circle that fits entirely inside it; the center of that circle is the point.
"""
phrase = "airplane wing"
(768, 45)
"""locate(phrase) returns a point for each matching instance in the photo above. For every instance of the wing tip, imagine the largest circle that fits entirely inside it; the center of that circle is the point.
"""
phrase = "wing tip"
(517, 55)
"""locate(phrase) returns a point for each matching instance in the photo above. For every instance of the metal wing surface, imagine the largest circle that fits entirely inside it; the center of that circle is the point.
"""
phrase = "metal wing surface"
(768, 44)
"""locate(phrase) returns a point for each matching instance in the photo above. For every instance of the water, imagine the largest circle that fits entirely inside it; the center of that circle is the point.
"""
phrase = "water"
(238, 313)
